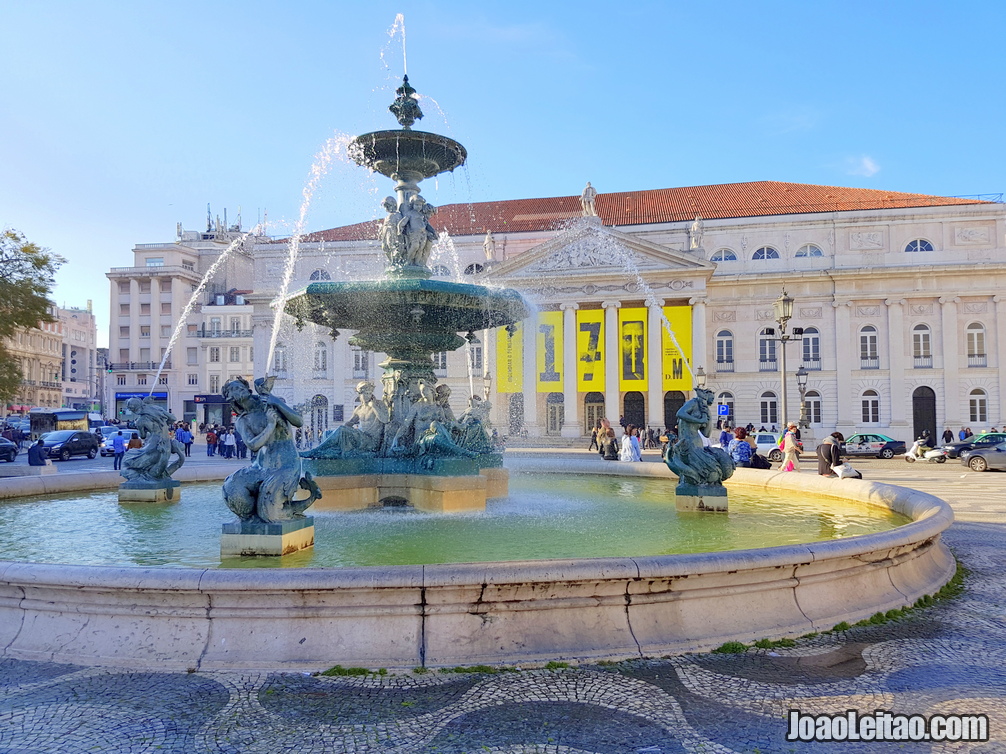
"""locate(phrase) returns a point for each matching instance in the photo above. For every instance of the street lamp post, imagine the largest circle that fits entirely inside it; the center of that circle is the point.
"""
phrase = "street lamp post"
(801, 383)
(700, 377)
(783, 310)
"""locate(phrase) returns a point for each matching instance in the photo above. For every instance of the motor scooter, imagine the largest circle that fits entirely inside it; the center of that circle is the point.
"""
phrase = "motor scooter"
(932, 455)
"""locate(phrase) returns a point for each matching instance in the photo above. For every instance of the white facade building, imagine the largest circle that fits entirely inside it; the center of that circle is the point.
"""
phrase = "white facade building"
(898, 296)
(80, 358)
(149, 299)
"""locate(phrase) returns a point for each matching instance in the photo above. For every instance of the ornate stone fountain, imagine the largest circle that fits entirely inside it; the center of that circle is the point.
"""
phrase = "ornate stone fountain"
(408, 444)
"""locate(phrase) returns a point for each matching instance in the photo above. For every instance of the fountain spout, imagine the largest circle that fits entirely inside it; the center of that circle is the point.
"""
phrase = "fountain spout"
(405, 107)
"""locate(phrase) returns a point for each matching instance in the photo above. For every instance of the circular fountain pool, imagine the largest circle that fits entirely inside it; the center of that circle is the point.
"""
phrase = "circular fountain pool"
(637, 601)
(545, 516)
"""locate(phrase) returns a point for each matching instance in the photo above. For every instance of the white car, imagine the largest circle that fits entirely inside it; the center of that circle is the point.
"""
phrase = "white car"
(768, 445)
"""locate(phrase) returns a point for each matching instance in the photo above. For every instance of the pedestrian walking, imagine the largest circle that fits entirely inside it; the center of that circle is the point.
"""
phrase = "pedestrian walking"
(593, 437)
(118, 450)
(211, 442)
(791, 448)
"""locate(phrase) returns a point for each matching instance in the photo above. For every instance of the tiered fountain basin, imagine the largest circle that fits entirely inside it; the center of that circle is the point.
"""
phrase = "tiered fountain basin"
(467, 613)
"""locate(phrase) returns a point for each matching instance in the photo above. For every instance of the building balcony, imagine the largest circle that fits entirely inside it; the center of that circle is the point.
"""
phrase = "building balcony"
(873, 363)
(724, 366)
(813, 365)
(204, 333)
(923, 362)
(153, 272)
(765, 365)
(977, 360)
(137, 366)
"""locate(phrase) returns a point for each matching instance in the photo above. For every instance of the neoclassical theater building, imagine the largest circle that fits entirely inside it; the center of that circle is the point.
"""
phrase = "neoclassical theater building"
(898, 296)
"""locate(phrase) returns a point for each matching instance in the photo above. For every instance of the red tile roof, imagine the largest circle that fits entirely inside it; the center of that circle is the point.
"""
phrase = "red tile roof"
(728, 200)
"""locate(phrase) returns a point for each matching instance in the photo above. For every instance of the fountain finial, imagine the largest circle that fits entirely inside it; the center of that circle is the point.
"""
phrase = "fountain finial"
(405, 107)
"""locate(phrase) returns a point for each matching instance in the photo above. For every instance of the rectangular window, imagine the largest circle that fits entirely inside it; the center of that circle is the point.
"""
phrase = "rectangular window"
(165, 307)
(165, 286)
(144, 354)
(192, 329)
(155, 261)
(193, 379)
(191, 355)
(144, 286)
(214, 355)
(123, 310)
(120, 379)
(235, 324)
(124, 331)
(123, 354)
(871, 410)
(141, 379)
(144, 308)
(440, 361)
(475, 356)
(235, 354)
(215, 325)
(123, 287)
(144, 331)
(251, 353)
(214, 383)
(188, 266)
(166, 331)
(162, 380)
(361, 362)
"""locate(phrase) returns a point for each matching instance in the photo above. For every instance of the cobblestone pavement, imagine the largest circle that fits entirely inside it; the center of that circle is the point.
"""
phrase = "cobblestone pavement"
(948, 659)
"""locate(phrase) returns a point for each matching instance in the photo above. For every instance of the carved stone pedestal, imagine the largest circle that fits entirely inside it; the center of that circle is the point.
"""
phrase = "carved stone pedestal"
(161, 491)
(700, 497)
(240, 538)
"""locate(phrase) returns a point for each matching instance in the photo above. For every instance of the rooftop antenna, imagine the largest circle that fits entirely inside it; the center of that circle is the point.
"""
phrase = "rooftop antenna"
(209, 218)
(239, 217)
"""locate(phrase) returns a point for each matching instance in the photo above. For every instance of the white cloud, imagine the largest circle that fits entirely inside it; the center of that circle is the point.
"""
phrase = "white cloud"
(864, 165)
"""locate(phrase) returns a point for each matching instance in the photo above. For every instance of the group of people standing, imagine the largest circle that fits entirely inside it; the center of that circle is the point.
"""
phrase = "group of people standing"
(225, 442)
(630, 446)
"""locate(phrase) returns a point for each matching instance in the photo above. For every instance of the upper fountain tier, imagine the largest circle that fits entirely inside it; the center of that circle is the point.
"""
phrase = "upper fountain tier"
(407, 156)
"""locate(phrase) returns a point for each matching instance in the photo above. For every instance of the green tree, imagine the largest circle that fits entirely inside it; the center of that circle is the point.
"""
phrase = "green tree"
(27, 272)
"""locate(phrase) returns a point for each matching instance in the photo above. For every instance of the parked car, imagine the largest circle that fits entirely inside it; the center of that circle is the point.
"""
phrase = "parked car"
(64, 443)
(986, 440)
(986, 458)
(768, 445)
(873, 444)
(105, 438)
(8, 450)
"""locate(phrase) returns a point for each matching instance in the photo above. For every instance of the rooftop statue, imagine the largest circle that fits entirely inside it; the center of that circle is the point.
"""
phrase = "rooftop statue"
(587, 201)
(265, 489)
(151, 462)
(695, 234)
(489, 246)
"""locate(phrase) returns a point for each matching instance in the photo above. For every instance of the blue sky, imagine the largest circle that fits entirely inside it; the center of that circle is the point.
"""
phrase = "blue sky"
(119, 119)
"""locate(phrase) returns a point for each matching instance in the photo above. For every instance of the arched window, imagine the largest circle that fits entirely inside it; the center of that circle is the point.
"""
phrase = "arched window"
(723, 255)
(978, 404)
(726, 399)
(279, 359)
(922, 347)
(871, 407)
(361, 361)
(919, 244)
(811, 348)
(320, 275)
(769, 408)
(441, 271)
(869, 356)
(809, 250)
(813, 401)
(475, 355)
(474, 269)
(766, 252)
(320, 359)
(766, 351)
(976, 345)
(724, 351)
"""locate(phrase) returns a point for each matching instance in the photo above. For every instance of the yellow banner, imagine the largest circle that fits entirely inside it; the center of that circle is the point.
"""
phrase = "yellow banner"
(590, 350)
(675, 363)
(549, 352)
(632, 356)
(510, 360)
